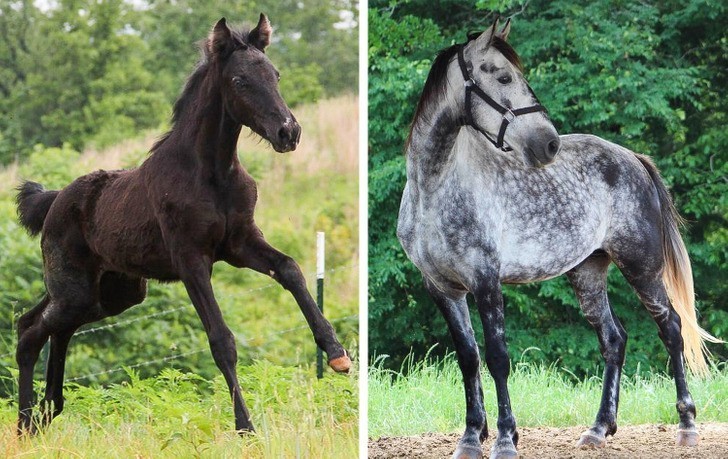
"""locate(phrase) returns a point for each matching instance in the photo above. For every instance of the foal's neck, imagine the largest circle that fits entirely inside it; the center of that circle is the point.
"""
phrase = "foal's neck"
(205, 132)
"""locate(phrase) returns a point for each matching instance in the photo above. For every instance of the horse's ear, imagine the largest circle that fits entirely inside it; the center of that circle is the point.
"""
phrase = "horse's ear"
(486, 37)
(503, 34)
(220, 42)
(260, 36)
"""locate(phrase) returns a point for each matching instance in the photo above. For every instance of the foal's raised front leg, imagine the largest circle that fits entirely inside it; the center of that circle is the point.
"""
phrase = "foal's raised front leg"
(490, 306)
(258, 255)
(196, 277)
(454, 308)
(589, 281)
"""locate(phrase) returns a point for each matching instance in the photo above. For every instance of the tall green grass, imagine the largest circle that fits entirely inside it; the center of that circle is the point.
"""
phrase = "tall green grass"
(180, 415)
(427, 396)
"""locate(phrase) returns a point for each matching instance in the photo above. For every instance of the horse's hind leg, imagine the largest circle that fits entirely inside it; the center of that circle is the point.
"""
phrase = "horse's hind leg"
(258, 255)
(589, 281)
(646, 279)
(455, 310)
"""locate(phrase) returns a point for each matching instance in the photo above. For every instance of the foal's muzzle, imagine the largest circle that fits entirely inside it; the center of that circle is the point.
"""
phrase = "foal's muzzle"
(286, 138)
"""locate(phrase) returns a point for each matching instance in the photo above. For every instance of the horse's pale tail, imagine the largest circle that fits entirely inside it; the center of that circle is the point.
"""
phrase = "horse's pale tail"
(678, 277)
(34, 202)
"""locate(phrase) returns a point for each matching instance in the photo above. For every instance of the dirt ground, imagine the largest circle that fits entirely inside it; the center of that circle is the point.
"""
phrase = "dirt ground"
(643, 441)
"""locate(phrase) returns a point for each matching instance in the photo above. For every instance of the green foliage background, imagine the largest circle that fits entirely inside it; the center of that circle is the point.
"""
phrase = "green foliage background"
(647, 75)
(95, 72)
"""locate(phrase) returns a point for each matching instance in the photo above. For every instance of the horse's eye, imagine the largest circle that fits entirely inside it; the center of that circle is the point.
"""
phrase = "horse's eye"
(505, 79)
(238, 82)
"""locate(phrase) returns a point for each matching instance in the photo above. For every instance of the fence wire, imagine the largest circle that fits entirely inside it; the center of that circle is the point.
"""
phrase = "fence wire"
(122, 323)
(197, 351)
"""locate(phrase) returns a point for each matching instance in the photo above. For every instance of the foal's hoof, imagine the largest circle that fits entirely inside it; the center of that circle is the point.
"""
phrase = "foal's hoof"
(468, 452)
(340, 364)
(687, 437)
(245, 431)
(589, 440)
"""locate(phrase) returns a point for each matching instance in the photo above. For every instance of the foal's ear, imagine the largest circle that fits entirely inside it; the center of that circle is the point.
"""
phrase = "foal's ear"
(503, 34)
(220, 42)
(260, 36)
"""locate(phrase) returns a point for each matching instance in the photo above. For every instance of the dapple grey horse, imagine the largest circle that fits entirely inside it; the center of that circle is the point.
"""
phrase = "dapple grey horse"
(494, 195)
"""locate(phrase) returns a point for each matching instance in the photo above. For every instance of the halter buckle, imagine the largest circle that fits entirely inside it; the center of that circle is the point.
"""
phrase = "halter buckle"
(508, 115)
(469, 82)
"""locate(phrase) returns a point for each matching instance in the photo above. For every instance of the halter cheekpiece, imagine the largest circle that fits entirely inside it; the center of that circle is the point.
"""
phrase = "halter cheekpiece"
(508, 114)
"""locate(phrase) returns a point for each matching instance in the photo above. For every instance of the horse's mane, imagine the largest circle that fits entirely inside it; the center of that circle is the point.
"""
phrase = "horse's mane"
(190, 95)
(436, 82)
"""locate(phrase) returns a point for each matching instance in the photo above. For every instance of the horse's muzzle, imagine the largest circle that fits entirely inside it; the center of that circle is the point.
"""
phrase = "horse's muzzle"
(543, 152)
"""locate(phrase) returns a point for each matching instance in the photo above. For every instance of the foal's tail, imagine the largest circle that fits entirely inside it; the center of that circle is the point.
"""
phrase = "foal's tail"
(33, 205)
(678, 277)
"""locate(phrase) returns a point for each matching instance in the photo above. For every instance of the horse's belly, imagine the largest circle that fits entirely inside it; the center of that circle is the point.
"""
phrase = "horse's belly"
(545, 258)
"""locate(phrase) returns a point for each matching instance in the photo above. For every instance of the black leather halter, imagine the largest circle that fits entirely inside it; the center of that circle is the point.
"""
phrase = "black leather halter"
(508, 114)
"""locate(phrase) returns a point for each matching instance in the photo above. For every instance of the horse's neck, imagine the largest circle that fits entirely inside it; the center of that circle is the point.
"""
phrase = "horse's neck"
(431, 144)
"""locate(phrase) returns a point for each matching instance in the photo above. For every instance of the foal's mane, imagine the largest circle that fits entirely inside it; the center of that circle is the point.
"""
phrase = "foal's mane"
(436, 82)
(190, 96)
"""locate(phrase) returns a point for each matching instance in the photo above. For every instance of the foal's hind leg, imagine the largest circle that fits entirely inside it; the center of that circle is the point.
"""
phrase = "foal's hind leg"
(258, 255)
(455, 310)
(589, 281)
(55, 366)
(646, 279)
(117, 293)
(32, 335)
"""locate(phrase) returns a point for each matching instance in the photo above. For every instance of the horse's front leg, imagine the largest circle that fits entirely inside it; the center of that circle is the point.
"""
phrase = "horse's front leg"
(455, 310)
(490, 306)
(258, 255)
(195, 274)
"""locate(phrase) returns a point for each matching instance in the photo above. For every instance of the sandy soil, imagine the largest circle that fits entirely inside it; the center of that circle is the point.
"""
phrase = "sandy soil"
(643, 441)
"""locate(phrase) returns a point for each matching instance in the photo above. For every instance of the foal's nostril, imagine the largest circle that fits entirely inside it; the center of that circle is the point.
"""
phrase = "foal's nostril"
(284, 134)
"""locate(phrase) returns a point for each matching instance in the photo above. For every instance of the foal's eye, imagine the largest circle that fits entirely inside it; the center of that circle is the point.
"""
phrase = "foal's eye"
(238, 82)
(505, 79)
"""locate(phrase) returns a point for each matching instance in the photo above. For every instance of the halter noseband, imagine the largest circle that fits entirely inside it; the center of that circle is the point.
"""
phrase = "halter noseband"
(508, 114)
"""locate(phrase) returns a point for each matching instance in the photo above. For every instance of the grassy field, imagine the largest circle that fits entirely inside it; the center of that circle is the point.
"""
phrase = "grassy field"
(155, 390)
(430, 398)
(180, 415)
